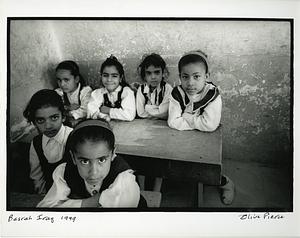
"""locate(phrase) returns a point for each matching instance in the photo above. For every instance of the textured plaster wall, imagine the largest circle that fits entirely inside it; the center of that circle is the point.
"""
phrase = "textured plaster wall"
(33, 53)
(250, 62)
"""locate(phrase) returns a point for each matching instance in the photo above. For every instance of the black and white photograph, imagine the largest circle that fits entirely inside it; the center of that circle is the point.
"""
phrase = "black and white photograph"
(158, 117)
(204, 120)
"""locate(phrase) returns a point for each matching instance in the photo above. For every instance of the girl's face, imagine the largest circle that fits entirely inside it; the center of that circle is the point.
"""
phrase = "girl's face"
(93, 161)
(111, 78)
(66, 81)
(153, 76)
(193, 78)
(48, 120)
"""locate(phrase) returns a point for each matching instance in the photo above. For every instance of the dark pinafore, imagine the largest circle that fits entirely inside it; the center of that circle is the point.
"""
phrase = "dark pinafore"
(66, 101)
(160, 95)
(47, 168)
(77, 185)
(117, 104)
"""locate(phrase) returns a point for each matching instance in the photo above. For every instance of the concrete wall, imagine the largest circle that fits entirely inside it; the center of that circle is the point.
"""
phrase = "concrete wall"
(34, 51)
(250, 61)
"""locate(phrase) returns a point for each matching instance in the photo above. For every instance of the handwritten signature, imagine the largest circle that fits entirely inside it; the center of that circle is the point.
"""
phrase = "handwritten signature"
(264, 216)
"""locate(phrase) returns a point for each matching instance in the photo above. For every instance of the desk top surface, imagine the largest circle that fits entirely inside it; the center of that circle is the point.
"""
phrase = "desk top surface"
(153, 138)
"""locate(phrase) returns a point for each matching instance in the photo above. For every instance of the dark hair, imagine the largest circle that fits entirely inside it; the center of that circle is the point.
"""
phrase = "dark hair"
(43, 98)
(113, 61)
(153, 59)
(91, 130)
(73, 68)
(193, 57)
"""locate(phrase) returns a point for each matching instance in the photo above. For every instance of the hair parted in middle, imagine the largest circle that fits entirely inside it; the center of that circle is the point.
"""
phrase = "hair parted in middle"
(113, 61)
(73, 67)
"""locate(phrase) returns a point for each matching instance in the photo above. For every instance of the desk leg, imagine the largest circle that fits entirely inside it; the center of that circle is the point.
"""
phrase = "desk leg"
(200, 194)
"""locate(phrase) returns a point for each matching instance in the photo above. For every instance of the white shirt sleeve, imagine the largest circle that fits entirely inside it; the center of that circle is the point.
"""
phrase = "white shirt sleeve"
(96, 100)
(128, 109)
(209, 120)
(58, 194)
(36, 173)
(161, 111)
(140, 104)
(175, 119)
(123, 192)
(85, 96)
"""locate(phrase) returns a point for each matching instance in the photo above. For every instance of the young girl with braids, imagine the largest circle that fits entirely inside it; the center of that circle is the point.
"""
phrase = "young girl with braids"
(196, 104)
(152, 98)
(116, 99)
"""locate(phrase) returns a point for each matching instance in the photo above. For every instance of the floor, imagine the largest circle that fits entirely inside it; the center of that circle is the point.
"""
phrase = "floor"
(256, 186)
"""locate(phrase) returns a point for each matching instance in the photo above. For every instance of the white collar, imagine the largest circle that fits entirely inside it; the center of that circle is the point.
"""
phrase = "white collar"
(118, 89)
(59, 137)
(147, 88)
(75, 92)
(197, 97)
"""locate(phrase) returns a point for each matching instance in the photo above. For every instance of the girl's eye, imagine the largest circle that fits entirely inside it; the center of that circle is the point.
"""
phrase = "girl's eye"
(197, 77)
(54, 118)
(102, 160)
(39, 120)
(184, 77)
(84, 161)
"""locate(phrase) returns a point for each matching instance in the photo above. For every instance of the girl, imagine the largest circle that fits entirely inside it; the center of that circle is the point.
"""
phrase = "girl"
(45, 110)
(152, 99)
(73, 90)
(93, 175)
(116, 100)
(196, 104)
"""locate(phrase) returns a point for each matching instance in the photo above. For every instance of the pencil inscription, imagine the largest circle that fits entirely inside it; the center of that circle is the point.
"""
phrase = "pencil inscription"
(263, 216)
(41, 218)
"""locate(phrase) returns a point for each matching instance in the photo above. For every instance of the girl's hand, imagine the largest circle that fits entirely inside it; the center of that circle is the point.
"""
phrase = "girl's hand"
(107, 118)
(105, 109)
(92, 201)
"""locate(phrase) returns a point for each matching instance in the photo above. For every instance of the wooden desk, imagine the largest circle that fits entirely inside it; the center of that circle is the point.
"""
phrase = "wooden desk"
(154, 149)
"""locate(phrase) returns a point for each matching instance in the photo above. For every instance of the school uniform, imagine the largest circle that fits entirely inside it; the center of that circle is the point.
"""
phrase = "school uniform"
(118, 189)
(153, 104)
(45, 155)
(81, 96)
(201, 111)
(121, 101)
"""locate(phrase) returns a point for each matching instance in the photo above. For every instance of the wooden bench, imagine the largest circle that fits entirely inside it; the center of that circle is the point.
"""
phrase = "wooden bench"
(154, 149)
